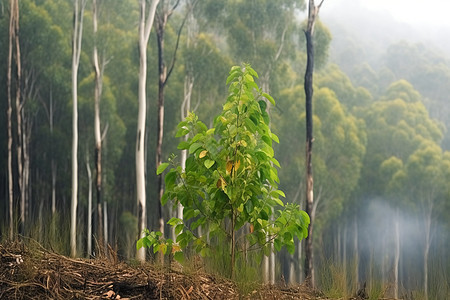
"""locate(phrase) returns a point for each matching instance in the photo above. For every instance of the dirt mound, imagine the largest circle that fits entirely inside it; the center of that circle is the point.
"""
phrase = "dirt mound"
(36, 273)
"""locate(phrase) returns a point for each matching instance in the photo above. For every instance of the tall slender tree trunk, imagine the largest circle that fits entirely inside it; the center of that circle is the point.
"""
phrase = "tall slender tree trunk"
(13, 28)
(53, 162)
(397, 252)
(145, 26)
(313, 12)
(426, 250)
(188, 87)
(161, 24)
(355, 249)
(164, 74)
(18, 106)
(97, 134)
(76, 51)
(89, 213)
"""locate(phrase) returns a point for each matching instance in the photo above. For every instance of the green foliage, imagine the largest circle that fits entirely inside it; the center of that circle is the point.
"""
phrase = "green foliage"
(230, 178)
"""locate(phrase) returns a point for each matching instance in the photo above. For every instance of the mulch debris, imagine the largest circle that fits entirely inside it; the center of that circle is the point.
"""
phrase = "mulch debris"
(36, 273)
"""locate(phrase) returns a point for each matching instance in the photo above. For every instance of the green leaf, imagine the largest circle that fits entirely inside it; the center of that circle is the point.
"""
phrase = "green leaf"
(277, 245)
(209, 163)
(275, 162)
(139, 244)
(268, 97)
(251, 71)
(183, 145)
(194, 147)
(278, 201)
(233, 76)
(178, 229)
(182, 132)
(174, 221)
(262, 105)
(170, 179)
(201, 126)
(275, 137)
(161, 168)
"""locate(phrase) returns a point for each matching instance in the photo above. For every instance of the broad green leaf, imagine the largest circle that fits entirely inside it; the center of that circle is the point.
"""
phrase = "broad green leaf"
(194, 147)
(275, 162)
(170, 179)
(183, 145)
(201, 126)
(139, 244)
(182, 132)
(277, 245)
(251, 71)
(174, 221)
(233, 76)
(209, 163)
(268, 97)
(178, 229)
(161, 168)
(249, 77)
(275, 137)
(278, 201)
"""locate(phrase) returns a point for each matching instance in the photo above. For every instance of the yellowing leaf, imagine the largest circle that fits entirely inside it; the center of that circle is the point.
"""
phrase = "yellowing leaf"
(229, 167)
(238, 164)
(176, 248)
(203, 154)
(242, 143)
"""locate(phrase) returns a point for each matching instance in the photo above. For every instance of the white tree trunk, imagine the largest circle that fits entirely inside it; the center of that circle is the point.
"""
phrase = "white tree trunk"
(76, 50)
(89, 214)
(12, 24)
(397, 253)
(355, 248)
(105, 223)
(427, 250)
(145, 25)
(97, 130)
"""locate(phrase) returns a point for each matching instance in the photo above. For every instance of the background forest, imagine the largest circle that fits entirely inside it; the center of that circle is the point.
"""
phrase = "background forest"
(381, 110)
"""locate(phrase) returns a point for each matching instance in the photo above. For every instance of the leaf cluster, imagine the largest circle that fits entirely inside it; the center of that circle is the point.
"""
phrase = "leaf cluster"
(230, 180)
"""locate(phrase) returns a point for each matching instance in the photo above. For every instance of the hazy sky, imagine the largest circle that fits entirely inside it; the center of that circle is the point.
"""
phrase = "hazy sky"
(428, 13)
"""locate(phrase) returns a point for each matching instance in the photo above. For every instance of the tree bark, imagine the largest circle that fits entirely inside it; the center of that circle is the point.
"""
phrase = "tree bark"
(89, 214)
(18, 106)
(313, 12)
(97, 131)
(164, 74)
(145, 26)
(76, 51)
(13, 28)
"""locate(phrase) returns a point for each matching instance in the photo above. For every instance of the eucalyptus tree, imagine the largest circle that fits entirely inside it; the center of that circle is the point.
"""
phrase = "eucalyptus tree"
(163, 14)
(313, 12)
(13, 56)
(99, 70)
(145, 25)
